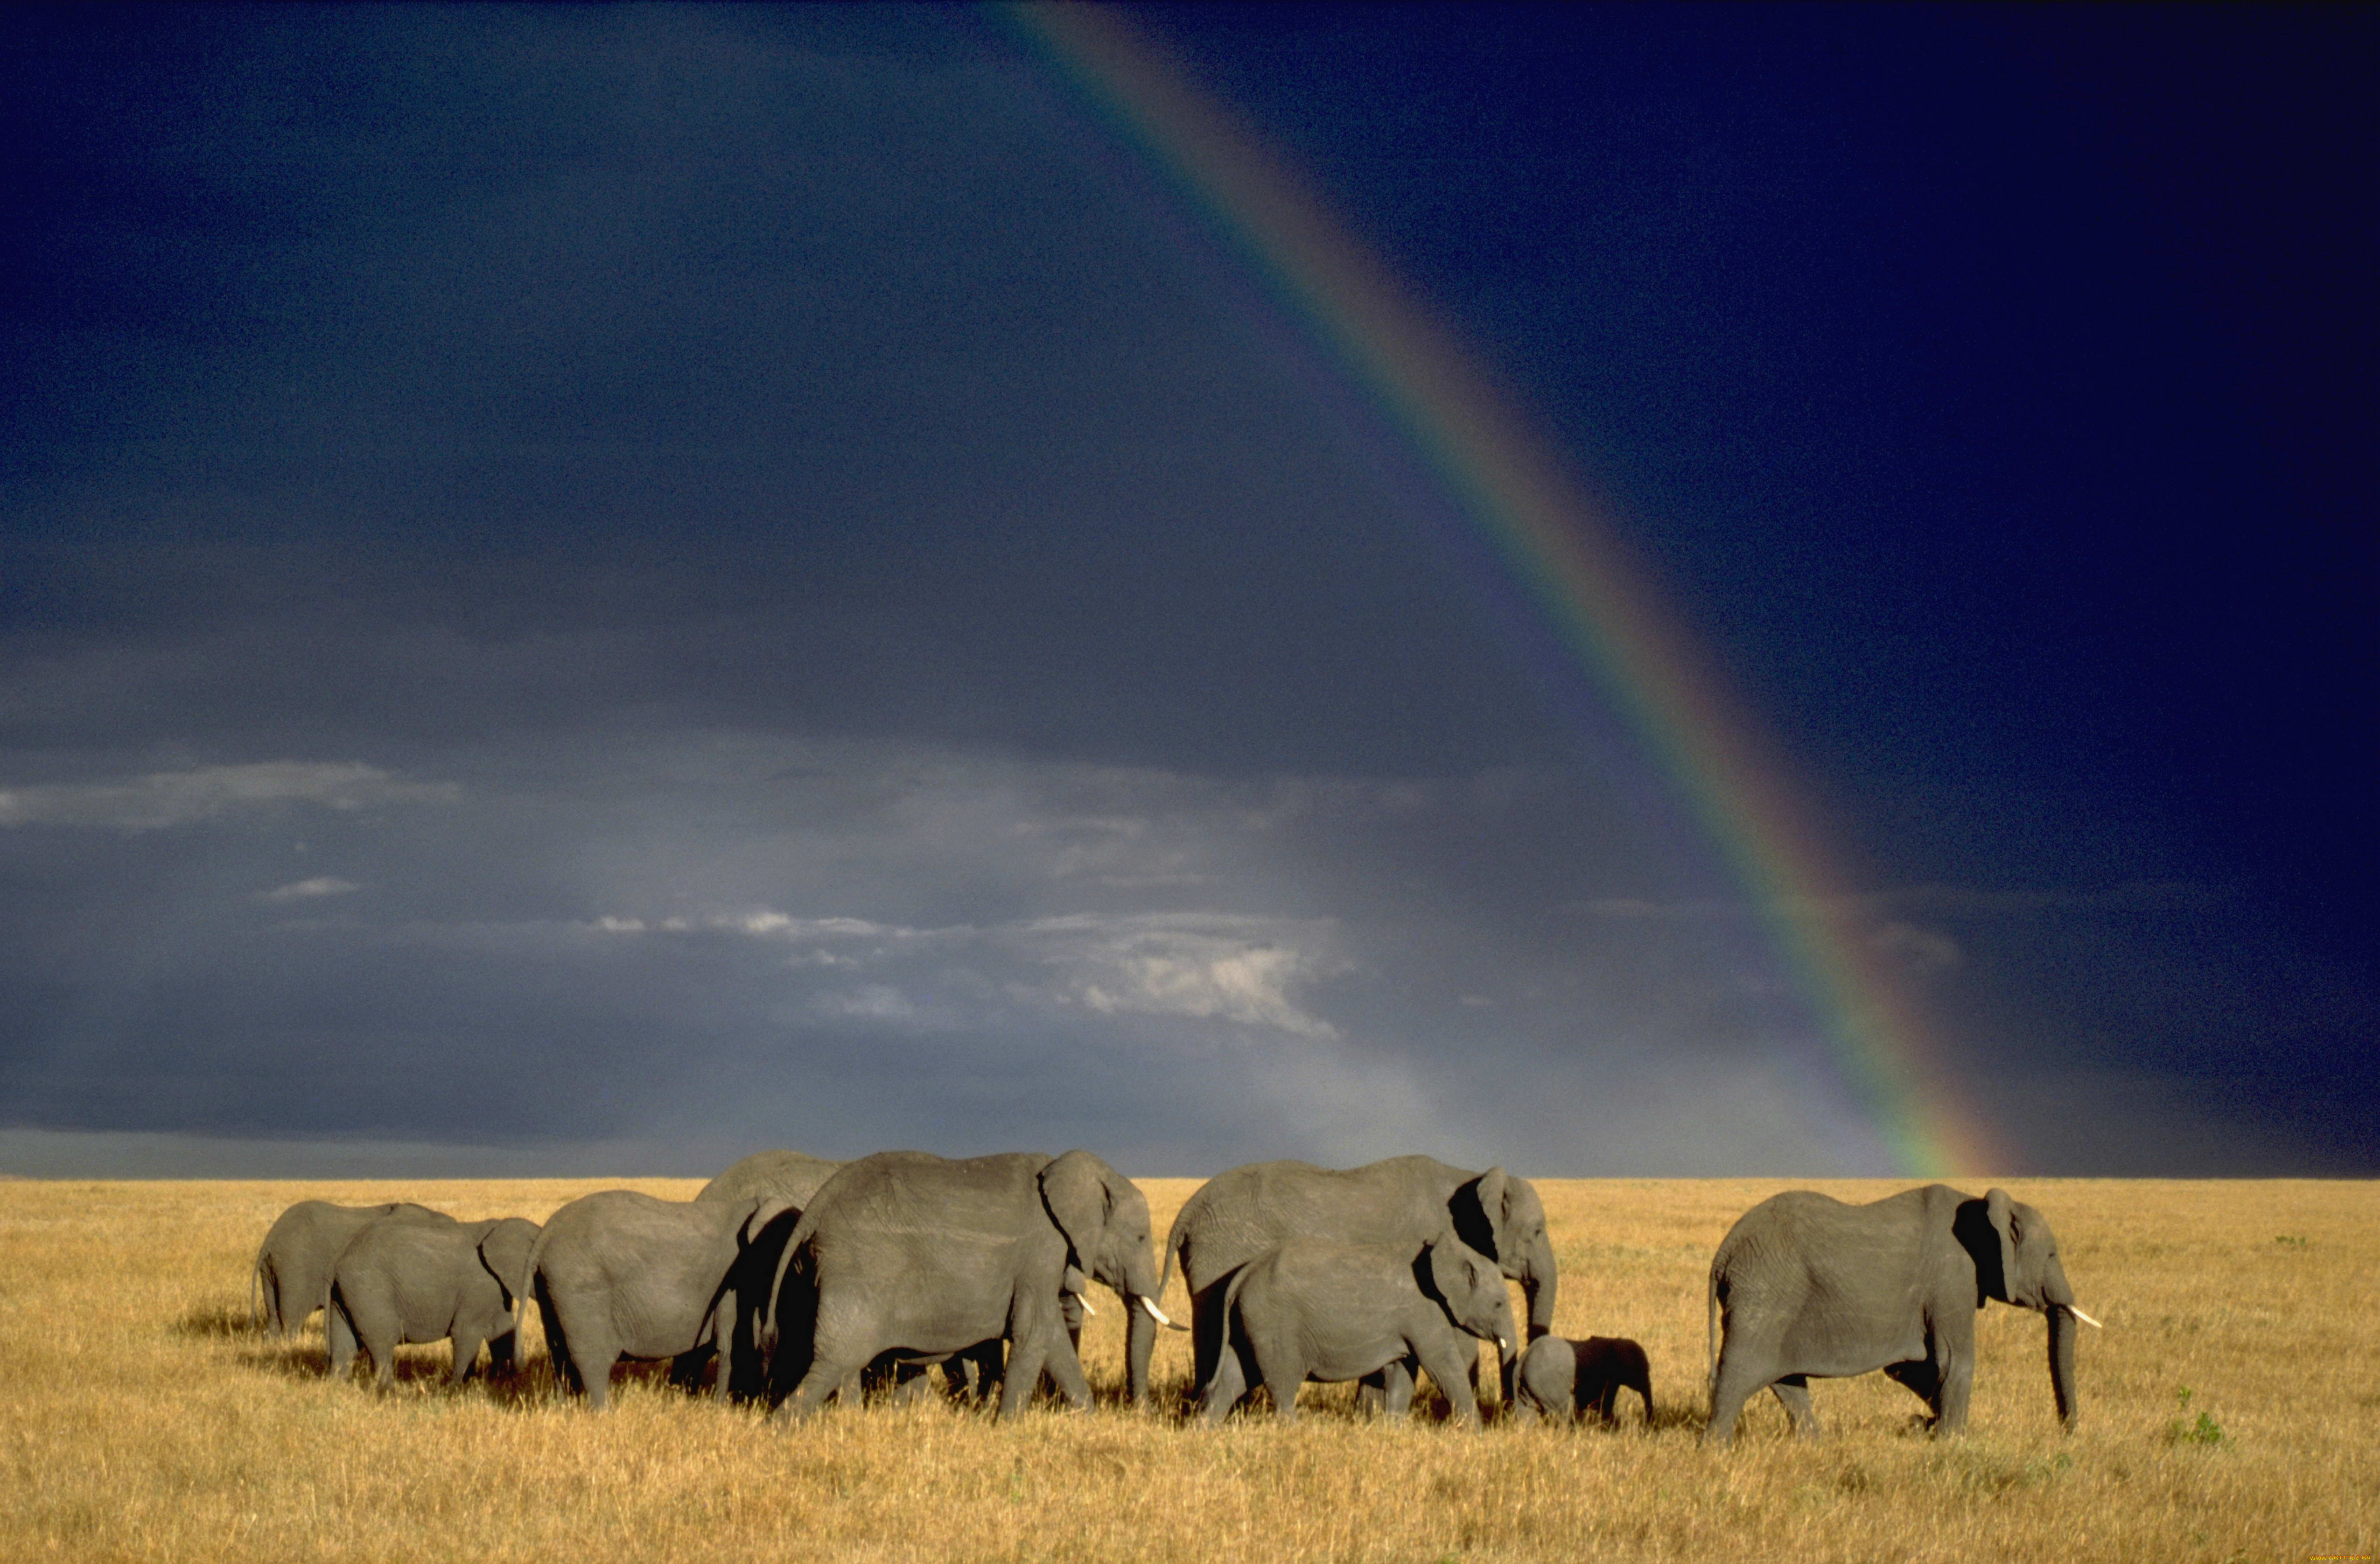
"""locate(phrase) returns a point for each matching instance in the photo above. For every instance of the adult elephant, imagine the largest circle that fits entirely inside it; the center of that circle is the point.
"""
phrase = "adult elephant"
(1808, 1287)
(1407, 1201)
(291, 1273)
(620, 1275)
(795, 1175)
(917, 1256)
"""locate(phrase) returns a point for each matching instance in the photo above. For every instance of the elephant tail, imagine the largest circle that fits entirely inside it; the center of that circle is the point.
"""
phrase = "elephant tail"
(1710, 1337)
(1176, 1237)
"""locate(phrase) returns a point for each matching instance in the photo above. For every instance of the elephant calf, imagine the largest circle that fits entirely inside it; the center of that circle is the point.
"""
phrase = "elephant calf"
(429, 1282)
(1563, 1378)
(1316, 1310)
(622, 1275)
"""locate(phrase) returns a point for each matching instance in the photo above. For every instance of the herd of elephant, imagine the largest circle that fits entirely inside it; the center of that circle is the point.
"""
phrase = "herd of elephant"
(805, 1279)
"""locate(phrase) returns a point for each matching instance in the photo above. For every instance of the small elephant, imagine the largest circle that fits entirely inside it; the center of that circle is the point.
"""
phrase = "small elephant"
(1315, 1310)
(292, 1265)
(1811, 1288)
(1565, 1379)
(400, 1281)
(621, 1275)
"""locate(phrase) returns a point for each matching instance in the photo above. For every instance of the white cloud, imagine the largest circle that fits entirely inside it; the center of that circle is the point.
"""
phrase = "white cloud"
(306, 889)
(164, 799)
(1208, 965)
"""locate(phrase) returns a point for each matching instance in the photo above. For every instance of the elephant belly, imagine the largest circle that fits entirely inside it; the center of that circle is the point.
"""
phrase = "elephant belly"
(1343, 1358)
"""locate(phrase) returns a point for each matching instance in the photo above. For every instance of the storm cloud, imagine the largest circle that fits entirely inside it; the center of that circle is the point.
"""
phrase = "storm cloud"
(594, 590)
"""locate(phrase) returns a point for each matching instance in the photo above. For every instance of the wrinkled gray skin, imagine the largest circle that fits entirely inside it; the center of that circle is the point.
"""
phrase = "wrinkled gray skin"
(1404, 1200)
(1809, 1287)
(1565, 1379)
(292, 1265)
(793, 1174)
(917, 1256)
(622, 1275)
(1332, 1311)
(399, 1281)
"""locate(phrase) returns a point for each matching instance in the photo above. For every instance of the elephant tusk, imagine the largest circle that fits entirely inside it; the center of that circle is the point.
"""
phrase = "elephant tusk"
(1159, 1315)
(2086, 1319)
(1503, 1344)
(1086, 1302)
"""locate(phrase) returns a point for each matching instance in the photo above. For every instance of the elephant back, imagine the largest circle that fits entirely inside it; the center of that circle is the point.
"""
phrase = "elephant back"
(793, 1175)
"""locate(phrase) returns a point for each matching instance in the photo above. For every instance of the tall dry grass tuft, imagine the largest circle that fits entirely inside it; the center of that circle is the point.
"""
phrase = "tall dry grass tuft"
(143, 1417)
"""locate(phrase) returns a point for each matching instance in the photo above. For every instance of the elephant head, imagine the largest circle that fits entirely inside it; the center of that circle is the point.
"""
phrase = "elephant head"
(1502, 1218)
(2016, 1262)
(1105, 1219)
(1472, 1288)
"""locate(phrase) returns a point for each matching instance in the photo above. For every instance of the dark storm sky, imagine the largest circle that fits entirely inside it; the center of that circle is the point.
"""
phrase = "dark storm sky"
(593, 589)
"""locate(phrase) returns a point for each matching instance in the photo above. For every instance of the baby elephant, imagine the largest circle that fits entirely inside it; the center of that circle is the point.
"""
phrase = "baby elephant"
(428, 1281)
(1565, 1379)
(1311, 1309)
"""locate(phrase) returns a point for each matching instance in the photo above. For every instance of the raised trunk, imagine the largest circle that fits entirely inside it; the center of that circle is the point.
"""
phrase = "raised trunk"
(2062, 1366)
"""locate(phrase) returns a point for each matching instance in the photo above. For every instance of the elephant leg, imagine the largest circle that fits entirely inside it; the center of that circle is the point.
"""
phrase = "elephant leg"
(1956, 1362)
(1066, 1369)
(1224, 1387)
(503, 1348)
(1794, 1392)
(1283, 1375)
(1209, 1333)
(1396, 1388)
(466, 1356)
(1372, 1395)
(1446, 1370)
(1735, 1384)
(340, 1335)
(1027, 1357)
(824, 1377)
(592, 1354)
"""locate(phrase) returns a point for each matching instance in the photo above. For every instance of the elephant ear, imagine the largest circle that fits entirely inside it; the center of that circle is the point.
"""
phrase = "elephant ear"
(2002, 1212)
(1074, 1188)
(506, 1251)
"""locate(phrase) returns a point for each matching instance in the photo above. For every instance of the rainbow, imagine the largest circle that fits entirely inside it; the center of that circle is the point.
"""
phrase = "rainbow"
(1555, 550)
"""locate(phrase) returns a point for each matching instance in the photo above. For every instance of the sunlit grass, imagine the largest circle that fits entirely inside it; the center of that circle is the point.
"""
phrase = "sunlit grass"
(140, 1416)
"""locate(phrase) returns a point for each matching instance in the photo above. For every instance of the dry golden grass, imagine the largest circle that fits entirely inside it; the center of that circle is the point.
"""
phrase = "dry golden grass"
(143, 1419)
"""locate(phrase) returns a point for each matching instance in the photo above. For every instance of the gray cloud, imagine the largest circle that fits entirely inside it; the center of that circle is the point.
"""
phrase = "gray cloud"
(165, 799)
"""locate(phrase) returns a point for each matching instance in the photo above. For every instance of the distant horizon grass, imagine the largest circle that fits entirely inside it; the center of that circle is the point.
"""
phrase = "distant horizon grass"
(2229, 1413)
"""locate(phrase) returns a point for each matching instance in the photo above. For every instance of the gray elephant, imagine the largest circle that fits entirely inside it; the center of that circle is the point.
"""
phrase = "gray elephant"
(1316, 1310)
(1809, 1287)
(916, 1255)
(293, 1263)
(1404, 1201)
(1565, 1379)
(622, 1275)
(794, 1174)
(400, 1281)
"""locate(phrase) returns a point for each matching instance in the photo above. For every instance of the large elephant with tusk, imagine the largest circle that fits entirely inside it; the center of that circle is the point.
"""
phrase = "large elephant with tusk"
(918, 1256)
(1807, 1287)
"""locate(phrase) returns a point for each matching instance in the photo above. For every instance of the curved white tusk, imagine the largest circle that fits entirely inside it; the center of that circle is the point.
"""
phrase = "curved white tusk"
(2086, 1319)
(1503, 1344)
(1087, 1305)
(1154, 1311)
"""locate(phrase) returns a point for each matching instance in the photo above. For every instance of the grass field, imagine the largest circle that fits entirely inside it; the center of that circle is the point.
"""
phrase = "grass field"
(2229, 1413)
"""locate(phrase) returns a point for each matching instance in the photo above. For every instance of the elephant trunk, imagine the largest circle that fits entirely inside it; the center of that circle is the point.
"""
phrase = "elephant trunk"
(1537, 1279)
(2061, 1364)
(1141, 1339)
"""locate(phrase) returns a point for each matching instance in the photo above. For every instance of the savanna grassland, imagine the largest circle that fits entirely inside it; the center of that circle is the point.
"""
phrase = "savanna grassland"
(2229, 1413)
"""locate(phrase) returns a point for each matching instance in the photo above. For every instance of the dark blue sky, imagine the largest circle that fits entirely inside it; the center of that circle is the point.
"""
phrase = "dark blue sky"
(593, 588)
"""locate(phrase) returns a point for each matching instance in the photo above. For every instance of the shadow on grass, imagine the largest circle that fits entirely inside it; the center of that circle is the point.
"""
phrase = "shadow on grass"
(219, 1322)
